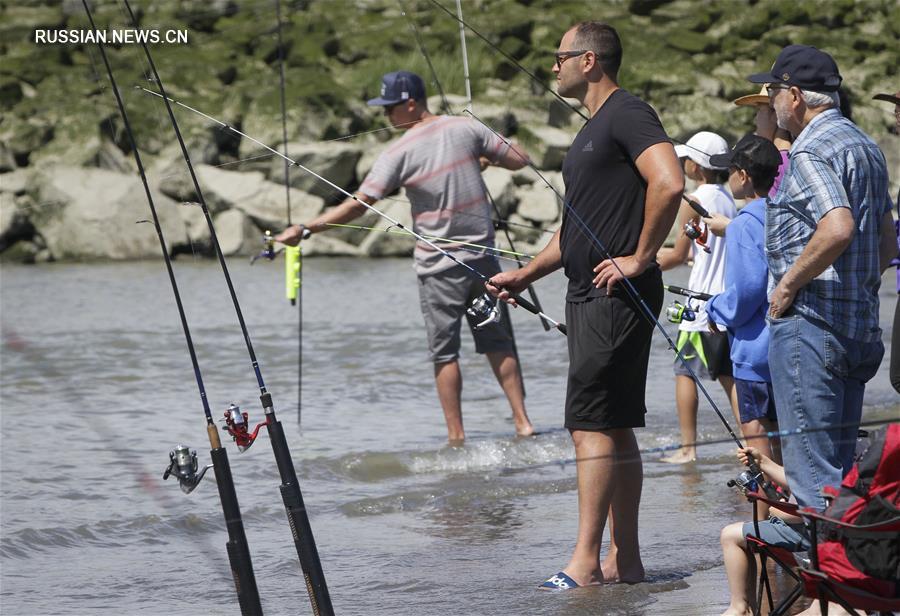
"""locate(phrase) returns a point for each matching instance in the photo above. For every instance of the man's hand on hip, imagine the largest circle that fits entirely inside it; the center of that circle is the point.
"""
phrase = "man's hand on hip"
(608, 274)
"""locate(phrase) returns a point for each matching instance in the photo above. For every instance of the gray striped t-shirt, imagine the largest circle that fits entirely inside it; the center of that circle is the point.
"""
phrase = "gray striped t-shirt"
(437, 163)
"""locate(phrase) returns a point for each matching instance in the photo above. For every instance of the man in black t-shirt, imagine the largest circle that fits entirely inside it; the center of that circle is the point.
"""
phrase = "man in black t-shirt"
(623, 187)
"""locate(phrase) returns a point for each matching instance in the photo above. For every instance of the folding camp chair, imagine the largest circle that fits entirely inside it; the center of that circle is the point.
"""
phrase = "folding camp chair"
(865, 593)
(782, 557)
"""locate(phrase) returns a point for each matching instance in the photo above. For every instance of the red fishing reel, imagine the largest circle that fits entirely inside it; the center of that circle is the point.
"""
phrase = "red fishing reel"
(236, 424)
(699, 232)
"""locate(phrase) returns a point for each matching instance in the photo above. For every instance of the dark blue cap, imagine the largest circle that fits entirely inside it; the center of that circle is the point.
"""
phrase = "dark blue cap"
(756, 155)
(399, 86)
(803, 66)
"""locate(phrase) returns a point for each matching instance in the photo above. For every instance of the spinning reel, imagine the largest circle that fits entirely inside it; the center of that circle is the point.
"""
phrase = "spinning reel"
(268, 252)
(698, 232)
(236, 425)
(184, 465)
(486, 310)
(677, 312)
(752, 480)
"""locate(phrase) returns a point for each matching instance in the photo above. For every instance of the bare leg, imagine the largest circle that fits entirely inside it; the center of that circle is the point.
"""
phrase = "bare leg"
(448, 379)
(598, 478)
(740, 568)
(686, 401)
(730, 390)
(623, 562)
(506, 369)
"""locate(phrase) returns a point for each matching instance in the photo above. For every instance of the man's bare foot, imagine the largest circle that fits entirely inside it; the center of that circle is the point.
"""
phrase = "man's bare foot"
(584, 577)
(614, 574)
(682, 456)
(833, 610)
(525, 429)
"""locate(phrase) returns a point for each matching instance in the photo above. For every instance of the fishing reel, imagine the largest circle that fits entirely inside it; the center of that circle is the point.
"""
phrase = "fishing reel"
(485, 310)
(236, 425)
(677, 312)
(268, 252)
(183, 464)
(752, 480)
(698, 232)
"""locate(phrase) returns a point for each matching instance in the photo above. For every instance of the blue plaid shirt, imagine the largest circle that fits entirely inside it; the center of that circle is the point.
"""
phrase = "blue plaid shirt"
(832, 164)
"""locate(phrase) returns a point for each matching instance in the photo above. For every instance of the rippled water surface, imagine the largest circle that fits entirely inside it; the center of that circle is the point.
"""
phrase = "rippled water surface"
(97, 387)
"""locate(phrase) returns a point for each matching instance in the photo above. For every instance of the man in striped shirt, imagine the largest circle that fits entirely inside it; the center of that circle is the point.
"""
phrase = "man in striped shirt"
(829, 236)
(438, 161)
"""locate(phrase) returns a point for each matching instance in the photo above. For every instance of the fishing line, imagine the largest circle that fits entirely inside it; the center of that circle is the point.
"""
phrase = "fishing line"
(237, 547)
(511, 59)
(293, 262)
(532, 294)
(477, 249)
(630, 289)
(521, 301)
(772, 435)
(236, 421)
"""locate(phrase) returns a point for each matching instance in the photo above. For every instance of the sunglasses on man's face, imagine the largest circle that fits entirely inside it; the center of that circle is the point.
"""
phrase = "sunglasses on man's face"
(562, 56)
(772, 88)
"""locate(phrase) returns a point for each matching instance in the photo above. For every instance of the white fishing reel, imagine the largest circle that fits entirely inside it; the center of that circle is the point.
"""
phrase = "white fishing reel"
(184, 465)
(485, 310)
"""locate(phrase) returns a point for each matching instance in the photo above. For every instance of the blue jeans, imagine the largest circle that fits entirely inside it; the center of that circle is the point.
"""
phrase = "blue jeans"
(819, 379)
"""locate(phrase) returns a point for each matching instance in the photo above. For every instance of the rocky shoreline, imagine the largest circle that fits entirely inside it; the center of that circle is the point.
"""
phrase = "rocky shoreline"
(69, 189)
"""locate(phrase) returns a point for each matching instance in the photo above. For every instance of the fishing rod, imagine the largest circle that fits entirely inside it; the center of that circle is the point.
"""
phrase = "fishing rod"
(479, 248)
(677, 312)
(633, 293)
(396, 223)
(511, 59)
(532, 294)
(465, 55)
(236, 421)
(183, 463)
(293, 255)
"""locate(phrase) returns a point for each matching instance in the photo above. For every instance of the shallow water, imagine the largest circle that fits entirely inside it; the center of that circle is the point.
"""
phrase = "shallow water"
(97, 387)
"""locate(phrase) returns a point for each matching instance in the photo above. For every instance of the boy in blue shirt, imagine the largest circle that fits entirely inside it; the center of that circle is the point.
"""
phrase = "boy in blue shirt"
(742, 306)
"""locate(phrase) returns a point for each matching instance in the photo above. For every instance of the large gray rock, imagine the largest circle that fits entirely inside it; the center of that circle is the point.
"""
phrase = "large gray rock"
(551, 145)
(390, 241)
(7, 161)
(268, 207)
(236, 233)
(334, 161)
(501, 187)
(92, 213)
(222, 190)
(538, 203)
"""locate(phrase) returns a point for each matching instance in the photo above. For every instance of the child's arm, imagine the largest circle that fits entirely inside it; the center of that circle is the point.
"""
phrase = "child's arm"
(774, 472)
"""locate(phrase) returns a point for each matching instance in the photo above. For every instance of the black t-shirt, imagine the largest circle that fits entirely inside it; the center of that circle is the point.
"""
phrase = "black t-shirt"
(605, 189)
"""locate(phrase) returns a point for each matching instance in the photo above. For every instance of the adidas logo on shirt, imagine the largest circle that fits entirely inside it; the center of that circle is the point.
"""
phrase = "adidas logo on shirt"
(588, 147)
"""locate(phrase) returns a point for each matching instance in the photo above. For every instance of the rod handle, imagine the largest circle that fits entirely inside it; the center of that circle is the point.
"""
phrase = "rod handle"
(671, 288)
(696, 206)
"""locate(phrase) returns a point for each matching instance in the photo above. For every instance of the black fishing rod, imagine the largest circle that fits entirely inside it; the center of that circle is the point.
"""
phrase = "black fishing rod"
(293, 262)
(511, 59)
(236, 422)
(634, 294)
(395, 223)
(184, 463)
(532, 294)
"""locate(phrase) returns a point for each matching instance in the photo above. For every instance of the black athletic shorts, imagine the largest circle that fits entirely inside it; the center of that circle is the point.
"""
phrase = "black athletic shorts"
(609, 349)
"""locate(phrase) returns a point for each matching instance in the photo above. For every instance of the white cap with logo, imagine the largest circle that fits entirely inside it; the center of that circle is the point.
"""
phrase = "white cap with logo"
(701, 146)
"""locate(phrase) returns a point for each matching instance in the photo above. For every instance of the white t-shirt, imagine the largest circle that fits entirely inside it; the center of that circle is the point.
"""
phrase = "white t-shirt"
(708, 272)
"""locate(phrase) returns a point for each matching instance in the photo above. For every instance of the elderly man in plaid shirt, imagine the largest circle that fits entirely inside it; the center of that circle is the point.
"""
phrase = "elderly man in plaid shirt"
(829, 236)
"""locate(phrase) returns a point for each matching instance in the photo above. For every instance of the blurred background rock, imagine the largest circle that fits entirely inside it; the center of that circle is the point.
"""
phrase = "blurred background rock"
(688, 58)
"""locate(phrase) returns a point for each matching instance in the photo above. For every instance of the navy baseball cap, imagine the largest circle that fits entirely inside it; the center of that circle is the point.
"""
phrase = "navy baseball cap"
(803, 66)
(399, 86)
(754, 154)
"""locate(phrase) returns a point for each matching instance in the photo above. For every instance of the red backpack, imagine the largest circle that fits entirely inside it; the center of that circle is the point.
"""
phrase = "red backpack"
(869, 494)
